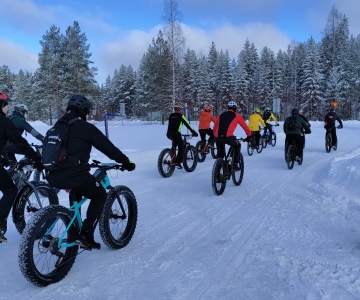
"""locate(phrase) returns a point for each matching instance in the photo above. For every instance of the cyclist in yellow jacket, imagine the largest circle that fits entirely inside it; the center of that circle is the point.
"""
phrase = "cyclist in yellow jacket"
(254, 121)
(267, 116)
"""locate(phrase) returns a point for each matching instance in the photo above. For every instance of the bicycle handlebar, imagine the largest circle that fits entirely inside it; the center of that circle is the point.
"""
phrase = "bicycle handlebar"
(106, 166)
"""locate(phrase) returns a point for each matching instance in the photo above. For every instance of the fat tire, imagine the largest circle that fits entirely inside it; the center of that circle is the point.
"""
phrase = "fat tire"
(107, 220)
(214, 152)
(167, 155)
(200, 146)
(273, 139)
(235, 181)
(191, 151)
(249, 149)
(327, 143)
(216, 172)
(19, 211)
(290, 157)
(30, 240)
(260, 147)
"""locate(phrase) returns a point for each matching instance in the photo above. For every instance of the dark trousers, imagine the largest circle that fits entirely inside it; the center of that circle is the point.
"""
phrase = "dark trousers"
(268, 127)
(9, 190)
(175, 136)
(231, 141)
(257, 137)
(299, 143)
(333, 134)
(94, 191)
(209, 132)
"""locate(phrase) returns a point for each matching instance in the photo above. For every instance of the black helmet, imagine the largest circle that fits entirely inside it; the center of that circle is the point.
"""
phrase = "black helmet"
(295, 111)
(81, 102)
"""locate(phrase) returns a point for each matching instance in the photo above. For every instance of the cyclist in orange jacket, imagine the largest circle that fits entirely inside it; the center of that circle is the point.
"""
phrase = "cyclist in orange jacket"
(205, 118)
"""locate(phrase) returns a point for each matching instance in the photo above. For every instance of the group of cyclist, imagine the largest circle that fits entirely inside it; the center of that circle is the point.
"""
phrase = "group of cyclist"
(295, 126)
(83, 136)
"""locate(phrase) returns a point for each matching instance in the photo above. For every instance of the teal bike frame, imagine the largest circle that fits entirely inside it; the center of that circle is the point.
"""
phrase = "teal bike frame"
(105, 182)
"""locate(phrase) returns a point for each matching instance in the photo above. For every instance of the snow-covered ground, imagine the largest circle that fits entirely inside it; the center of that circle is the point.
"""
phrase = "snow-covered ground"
(282, 234)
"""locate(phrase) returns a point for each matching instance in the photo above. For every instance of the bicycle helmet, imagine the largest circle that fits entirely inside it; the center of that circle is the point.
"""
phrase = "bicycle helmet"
(4, 100)
(21, 108)
(207, 108)
(232, 105)
(295, 111)
(178, 107)
(80, 102)
(268, 109)
(257, 110)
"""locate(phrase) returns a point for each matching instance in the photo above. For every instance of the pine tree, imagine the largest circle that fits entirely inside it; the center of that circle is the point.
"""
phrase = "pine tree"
(312, 83)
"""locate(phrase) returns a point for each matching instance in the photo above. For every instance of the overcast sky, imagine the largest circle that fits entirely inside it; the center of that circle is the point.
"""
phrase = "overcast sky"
(119, 31)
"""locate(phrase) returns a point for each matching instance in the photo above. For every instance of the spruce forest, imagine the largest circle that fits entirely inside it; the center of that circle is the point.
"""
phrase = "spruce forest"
(307, 75)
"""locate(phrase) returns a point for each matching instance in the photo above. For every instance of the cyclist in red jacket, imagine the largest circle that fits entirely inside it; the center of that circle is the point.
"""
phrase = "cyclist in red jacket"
(224, 128)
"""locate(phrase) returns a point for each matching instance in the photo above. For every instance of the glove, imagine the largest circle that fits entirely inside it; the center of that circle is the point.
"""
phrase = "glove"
(194, 133)
(38, 164)
(248, 139)
(308, 132)
(277, 124)
(339, 127)
(128, 165)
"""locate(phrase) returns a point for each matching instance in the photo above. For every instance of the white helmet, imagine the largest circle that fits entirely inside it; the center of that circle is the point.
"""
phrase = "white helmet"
(22, 108)
(232, 105)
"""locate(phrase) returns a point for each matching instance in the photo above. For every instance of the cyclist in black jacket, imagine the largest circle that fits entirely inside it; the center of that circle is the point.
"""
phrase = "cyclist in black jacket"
(8, 132)
(82, 137)
(18, 117)
(176, 121)
(329, 120)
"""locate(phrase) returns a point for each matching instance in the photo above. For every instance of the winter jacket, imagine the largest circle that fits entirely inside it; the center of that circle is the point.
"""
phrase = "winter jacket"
(226, 123)
(299, 122)
(205, 119)
(330, 119)
(176, 122)
(82, 137)
(8, 132)
(267, 116)
(254, 121)
(21, 124)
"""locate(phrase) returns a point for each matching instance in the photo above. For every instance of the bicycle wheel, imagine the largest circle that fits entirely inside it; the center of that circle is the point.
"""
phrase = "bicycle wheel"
(264, 141)
(290, 157)
(164, 162)
(38, 176)
(250, 150)
(237, 176)
(260, 147)
(26, 203)
(41, 261)
(214, 152)
(190, 159)
(273, 139)
(327, 143)
(218, 180)
(301, 160)
(200, 148)
(118, 220)
(304, 141)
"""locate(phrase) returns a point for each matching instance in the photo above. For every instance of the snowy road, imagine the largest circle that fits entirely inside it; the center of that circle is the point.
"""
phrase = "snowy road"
(282, 234)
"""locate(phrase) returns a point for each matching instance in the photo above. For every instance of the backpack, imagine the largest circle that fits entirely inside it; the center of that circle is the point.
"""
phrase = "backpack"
(266, 116)
(54, 151)
(291, 125)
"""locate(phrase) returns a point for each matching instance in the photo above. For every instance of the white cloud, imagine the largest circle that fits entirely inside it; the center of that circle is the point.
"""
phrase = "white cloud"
(129, 50)
(17, 57)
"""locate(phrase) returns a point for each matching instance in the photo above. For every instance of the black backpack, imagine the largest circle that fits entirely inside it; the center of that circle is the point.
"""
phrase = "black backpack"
(54, 151)
(291, 125)
(266, 115)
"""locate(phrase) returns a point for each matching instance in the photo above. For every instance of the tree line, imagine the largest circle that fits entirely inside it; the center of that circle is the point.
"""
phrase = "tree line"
(307, 75)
